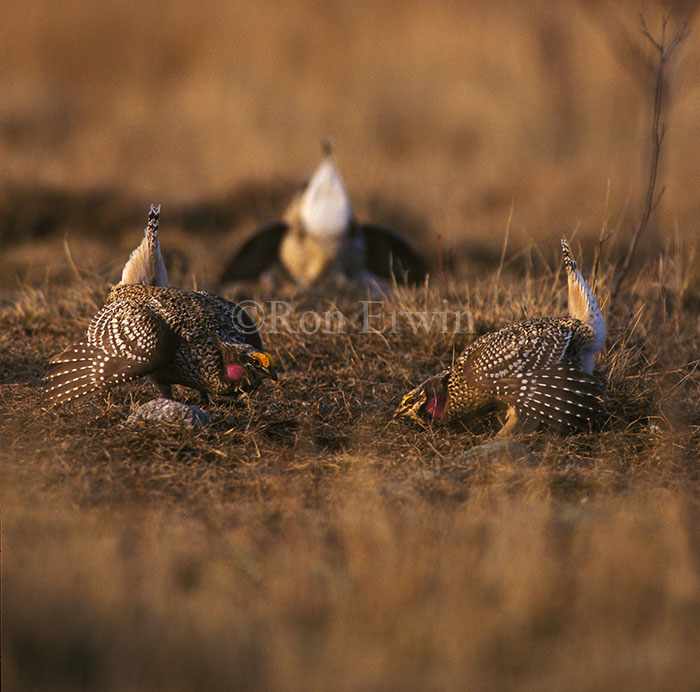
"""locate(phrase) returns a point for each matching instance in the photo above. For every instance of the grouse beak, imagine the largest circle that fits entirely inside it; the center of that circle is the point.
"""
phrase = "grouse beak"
(265, 365)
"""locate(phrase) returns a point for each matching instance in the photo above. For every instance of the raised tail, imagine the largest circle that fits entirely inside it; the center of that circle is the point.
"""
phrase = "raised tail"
(145, 264)
(583, 306)
(563, 397)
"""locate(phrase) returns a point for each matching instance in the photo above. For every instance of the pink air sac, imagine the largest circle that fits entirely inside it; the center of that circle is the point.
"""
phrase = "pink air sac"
(235, 372)
(435, 406)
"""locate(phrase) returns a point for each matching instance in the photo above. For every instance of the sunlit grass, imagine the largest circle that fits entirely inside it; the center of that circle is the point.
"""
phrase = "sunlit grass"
(306, 540)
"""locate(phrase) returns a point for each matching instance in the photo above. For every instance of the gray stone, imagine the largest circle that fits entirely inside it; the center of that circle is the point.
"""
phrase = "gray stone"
(171, 412)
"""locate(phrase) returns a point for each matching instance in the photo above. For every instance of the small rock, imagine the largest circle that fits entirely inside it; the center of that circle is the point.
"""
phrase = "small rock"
(169, 411)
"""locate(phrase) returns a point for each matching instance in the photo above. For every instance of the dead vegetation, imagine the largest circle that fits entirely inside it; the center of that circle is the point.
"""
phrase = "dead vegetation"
(306, 539)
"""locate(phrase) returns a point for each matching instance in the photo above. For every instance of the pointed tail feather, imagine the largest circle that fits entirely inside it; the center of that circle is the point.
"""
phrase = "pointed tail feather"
(569, 261)
(582, 303)
(562, 397)
(83, 369)
(74, 374)
(145, 264)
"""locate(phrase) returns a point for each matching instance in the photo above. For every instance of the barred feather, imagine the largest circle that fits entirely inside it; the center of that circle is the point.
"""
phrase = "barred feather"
(142, 344)
(84, 369)
(73, 376)
(562, 397)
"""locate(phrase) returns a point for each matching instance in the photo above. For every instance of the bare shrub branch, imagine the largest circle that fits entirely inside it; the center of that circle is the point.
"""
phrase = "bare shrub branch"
(658, 131)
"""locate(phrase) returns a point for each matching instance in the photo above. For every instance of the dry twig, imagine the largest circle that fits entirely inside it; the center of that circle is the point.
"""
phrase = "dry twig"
(658, 130)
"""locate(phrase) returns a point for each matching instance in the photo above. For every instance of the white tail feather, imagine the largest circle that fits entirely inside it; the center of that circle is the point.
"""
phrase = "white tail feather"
(583, 306)
(145, 264)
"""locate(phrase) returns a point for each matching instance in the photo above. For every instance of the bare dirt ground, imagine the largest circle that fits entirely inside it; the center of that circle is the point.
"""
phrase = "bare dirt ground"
(306, 539)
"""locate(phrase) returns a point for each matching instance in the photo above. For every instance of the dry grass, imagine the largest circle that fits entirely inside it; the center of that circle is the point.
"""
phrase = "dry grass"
(307, 540)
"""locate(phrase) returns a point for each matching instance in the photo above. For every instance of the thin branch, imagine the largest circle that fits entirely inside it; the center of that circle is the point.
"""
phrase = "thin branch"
(658, 130)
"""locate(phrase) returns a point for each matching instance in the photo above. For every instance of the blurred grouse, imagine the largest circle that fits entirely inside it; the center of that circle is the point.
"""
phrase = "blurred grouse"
(540, 369)
(320, 238)
(148, 328)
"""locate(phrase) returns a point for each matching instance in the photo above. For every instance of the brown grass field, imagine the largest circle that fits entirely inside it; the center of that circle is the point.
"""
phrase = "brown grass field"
(305, 540)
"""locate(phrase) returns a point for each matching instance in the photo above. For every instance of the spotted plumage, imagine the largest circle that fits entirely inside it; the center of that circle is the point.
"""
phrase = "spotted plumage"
(541, 370)
(194, 339)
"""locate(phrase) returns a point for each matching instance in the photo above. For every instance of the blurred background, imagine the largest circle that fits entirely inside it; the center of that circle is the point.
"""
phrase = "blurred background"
(306, 543)
(447, 115)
